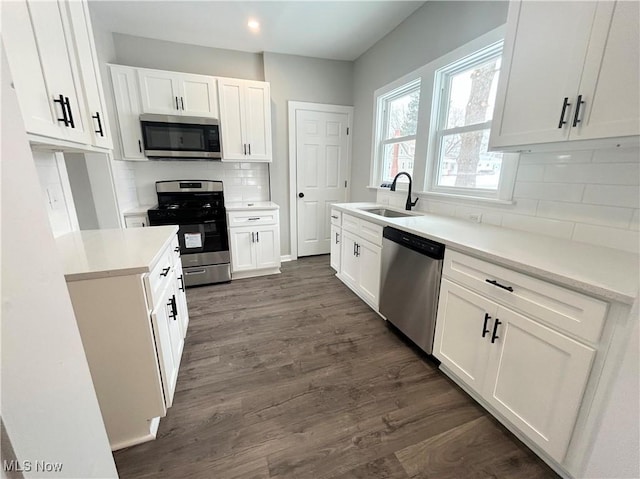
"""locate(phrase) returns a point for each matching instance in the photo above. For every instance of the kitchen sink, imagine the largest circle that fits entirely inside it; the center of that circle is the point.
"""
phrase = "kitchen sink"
(386, 213)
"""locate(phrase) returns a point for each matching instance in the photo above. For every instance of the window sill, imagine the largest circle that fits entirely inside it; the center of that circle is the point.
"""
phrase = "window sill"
(474, 199)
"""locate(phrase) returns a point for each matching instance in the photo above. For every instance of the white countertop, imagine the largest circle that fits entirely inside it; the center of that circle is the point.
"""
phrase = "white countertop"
(251, 205)
(604, 272)
(92, 254)
(138, 210)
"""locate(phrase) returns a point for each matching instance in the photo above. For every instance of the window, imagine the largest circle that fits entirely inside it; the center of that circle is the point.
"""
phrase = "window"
(465, 99)
(397, 115)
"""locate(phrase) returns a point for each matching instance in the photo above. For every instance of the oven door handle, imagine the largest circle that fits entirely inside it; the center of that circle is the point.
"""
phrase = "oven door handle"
(210, 221)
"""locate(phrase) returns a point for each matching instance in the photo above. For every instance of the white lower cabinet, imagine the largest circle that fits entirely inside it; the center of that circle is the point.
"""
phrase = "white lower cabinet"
(336, 243)
(360, 262)
(531, 374)
(133, 330)
(254, 242)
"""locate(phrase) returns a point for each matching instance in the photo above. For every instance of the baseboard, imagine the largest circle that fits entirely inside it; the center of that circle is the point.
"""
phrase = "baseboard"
(150, 436)
(286, 257)
(254, 273)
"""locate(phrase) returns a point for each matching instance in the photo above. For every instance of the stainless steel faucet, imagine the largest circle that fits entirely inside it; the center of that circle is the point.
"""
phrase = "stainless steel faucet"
(409, 204)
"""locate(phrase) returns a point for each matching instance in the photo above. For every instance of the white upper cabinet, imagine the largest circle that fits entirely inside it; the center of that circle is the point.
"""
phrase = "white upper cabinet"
(97, 122)
(127, 101)
(53, 62)
(173, 93)
(245, 120)
(568, 74)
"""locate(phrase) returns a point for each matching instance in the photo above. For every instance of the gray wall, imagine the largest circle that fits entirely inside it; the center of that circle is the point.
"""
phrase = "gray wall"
(81, 191)
(433, 30)
(180, 57)
(295, 78)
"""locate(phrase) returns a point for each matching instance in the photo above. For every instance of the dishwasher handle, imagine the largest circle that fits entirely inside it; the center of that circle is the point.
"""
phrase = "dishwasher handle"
(414, 242)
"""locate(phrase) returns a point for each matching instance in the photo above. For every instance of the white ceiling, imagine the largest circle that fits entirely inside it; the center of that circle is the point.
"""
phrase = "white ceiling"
(340, 30)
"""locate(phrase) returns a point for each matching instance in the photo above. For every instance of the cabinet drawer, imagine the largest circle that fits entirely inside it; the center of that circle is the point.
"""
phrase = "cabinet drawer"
(562, 308)
(336, 217)
(248, 218)
(365, 229)
(156, 281)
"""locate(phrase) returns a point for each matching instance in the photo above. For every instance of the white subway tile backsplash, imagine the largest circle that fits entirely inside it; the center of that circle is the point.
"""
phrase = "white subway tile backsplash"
(581, 213)
(583, 156)
(545, 226)
(530, 172)
(626, 240)
(549, 191)
(594, 173)
(617, 155)
(618, 195)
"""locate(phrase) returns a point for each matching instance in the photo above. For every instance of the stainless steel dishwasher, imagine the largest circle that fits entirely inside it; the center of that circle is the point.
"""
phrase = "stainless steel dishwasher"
(410, 284)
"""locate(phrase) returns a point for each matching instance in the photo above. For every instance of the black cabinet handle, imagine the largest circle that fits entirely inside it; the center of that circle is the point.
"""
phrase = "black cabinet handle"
(354, 249)
(495, 336)
(165, 271)
(337, 237)
(182, 102)
(99, 130)
(575, 117)
(300, 195)
(258, 237)
(253, 219)
(565, 104)
(245, 148)
(174, 308)
(176, 249)
(495, 283)
(181, 279)
(177, 105)
(253, 238)
(71, 123)
(249, 149)
(140, 146)
(64, 118)
(334, 217)
(485, 331)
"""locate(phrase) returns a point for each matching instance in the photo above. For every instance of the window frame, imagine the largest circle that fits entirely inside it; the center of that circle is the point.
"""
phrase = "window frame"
(438, 130)
(397, 89)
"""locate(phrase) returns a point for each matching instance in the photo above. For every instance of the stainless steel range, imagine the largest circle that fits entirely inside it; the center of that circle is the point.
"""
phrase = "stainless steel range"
(197, 207)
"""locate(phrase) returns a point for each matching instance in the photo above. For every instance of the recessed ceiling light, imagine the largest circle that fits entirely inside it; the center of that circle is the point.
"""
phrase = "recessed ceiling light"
(253, 25)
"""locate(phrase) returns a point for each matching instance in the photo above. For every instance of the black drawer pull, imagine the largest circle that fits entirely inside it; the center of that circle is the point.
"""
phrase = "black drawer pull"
(495, 283)
(495, 336)
(334, 217)
(71, 123)
(253, 219)
(99, 130)
(176, 249)
(485, 331)
(165, 271)
(65, 118)
(576, 120)
(177, 105)
(565, 104)
(181, 279)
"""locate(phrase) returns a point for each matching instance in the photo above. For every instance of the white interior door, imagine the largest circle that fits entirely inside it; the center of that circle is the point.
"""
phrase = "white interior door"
(321, 165)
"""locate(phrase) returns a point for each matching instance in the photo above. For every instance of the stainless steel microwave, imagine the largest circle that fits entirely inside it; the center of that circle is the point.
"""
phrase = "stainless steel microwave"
(181, 137)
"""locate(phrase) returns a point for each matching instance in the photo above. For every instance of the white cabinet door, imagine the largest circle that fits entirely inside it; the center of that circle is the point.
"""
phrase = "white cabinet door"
(231, 95)
(181, 297)
(536, 380)
(161, 330)
(462, 337)
(80, 25)
(39, 113)
(549, 40)
(198, 95)
(336, 243)
(369, 256)
(159, 92)
(267, 246)
(349, 267)
(258, 121)
(610, 85)
(127, 100)
(243, 252)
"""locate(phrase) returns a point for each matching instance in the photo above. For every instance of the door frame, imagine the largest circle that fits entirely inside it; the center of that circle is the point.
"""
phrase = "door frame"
(294, 107)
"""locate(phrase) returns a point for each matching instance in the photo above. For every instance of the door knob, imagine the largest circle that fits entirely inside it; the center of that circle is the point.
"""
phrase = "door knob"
(300, 195)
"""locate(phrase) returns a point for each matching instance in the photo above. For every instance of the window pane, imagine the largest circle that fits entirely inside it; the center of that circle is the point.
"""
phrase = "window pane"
(472, 94)
(464, 161)
(397, 157)
(403, 115)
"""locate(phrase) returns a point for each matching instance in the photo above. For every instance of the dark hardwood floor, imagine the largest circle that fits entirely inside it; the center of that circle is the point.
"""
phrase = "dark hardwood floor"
(293, 376)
